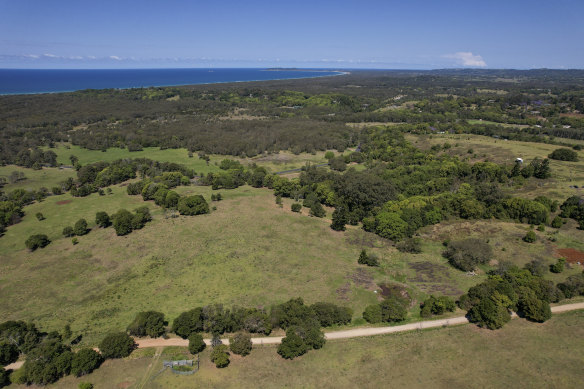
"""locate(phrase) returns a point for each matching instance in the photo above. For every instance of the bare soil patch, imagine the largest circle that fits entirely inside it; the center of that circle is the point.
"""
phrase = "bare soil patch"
(572, 256)
(362, 277)
(429, 272)
(63, 202)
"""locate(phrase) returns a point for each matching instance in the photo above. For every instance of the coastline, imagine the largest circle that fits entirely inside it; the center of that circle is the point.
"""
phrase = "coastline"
(335, 73)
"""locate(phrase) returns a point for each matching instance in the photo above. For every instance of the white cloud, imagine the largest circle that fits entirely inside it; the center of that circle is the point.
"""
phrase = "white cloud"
(115, 57)
(466, 58)
(50, 55)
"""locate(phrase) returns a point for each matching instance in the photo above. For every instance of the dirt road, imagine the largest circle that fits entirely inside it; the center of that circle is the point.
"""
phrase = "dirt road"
(354, 333)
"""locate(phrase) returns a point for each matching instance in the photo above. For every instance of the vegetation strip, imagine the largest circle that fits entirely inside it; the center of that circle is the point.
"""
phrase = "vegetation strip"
(354, 333)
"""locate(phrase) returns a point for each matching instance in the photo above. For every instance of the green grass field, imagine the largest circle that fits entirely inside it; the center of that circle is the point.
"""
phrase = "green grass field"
(248, 252)
(522, 354)
(35, 179)
(284, 160)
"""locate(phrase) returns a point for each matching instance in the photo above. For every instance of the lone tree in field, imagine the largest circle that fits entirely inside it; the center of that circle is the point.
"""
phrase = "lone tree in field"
(80, 227)
(192, 205)
(37, 241)
(196, 343)
(240, 344)
(117, 345)
(564, 155)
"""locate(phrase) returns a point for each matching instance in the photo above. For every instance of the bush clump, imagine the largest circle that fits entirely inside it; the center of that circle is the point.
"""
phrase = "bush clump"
(564, 154)
(117, 345)
(220, 356)
(192, 205)
(437, 306)
(368, 260)
(150, 323)
(80, 227)
(410, 245)
(530, 237)
(37, 241)
(196, 343)
(467, 254)
(240, 344)
(85, 361)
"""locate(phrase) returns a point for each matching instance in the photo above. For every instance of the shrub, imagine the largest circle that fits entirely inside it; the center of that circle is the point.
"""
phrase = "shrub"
(196, 343)
(240, 344)
(8, 353)
(339, 219)
(393, 309)
(530, 237)
(85, 385)
(117, 345)
(85, 361)
(141, 217)
(467, 254)
(68, 232)
(537, 267)
(410, 245)
(80, 227)
(122, 221)
(40, 216)
(329, 155)
(292, 345)
(437, 306)
(296, 207)
(149, 323)
(541, 228)
(317, 210)
(368, 260)
(372, 314)
(329, 314)
(489, 313)
(533, 308)
(37, 241)
(220, 356)
(557, 222)
(188, 322)
(192, 205)
(74, 241)
(338, 164)
(558, 267)
(102, 219)
(564, 154)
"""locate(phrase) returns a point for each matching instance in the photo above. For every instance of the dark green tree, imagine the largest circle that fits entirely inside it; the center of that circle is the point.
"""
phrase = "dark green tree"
(196, 343)
(102, 219)
(372, 313)
(117, 345)
(68, 232)
(85, 361)
(37, 241)
(292, 345)
(122, 221)
(8, 353)
(530, 237)
(150, 323)
(80, 227)
(192, 205)
(188, 322)
(339, 219)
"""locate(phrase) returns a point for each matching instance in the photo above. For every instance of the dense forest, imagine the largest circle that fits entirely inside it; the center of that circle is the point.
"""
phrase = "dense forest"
(255, 118)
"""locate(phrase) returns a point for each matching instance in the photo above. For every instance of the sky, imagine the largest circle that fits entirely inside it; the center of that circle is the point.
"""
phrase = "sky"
(405, 34)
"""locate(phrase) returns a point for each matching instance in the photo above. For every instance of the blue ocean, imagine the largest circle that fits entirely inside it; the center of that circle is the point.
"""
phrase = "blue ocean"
(21, 81)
